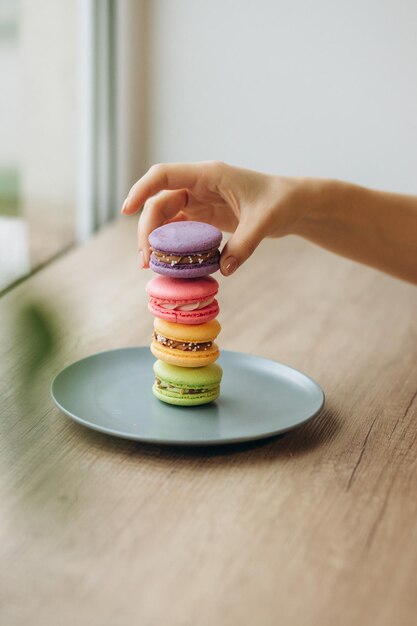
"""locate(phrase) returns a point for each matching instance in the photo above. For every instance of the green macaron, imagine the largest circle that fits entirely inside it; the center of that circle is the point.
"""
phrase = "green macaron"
(186, 386)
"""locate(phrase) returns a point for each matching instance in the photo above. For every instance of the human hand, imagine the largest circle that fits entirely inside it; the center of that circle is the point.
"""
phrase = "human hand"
(249, 204)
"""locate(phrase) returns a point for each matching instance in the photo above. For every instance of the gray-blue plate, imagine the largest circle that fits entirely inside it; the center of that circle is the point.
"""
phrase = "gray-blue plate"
(112, 392)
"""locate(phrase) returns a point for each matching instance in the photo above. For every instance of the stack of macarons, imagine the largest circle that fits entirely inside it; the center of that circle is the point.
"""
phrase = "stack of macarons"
(182, 299)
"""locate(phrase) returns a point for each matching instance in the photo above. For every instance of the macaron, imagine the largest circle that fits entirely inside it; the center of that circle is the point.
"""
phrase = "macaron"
(185, 249)
(185, 345)
(182, 300)
(186, 386)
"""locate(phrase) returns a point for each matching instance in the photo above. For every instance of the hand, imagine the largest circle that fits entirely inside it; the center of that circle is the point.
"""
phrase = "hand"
(249, 204)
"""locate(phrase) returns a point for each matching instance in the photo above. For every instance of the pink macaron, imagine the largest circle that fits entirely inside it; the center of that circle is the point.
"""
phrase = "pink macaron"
(186, 301)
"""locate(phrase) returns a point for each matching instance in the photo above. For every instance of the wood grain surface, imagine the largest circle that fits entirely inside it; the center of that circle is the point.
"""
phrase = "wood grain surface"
(317, 527)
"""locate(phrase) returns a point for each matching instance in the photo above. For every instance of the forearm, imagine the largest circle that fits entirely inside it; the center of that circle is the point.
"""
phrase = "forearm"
(373, 227)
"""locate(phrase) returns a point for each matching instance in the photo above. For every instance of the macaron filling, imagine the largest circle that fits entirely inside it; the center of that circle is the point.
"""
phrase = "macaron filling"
(160, 384)
(190, 306)
(185, 346)
(186, 259)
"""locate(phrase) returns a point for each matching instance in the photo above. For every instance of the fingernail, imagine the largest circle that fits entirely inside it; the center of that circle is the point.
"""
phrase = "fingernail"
(230, 265)
(124, 207)
(141, 259)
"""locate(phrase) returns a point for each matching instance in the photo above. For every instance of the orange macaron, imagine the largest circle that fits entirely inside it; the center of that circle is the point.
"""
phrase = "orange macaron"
(185, 345)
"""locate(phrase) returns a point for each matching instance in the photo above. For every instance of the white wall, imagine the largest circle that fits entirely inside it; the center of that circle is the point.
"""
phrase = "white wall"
(320, 87)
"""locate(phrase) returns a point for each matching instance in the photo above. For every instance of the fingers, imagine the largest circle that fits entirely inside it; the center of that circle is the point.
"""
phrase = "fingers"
(170, 176)
(240, 246)
(158, 210)
(179, 217)
(165, 190)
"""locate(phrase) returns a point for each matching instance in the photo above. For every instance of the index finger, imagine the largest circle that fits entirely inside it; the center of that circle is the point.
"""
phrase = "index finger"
(158, 178)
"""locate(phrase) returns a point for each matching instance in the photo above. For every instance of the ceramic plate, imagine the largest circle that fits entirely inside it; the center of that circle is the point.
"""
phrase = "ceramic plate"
(111, 392)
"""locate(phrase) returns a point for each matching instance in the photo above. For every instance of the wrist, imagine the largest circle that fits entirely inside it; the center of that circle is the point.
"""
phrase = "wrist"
(314, 201)
(292, 198)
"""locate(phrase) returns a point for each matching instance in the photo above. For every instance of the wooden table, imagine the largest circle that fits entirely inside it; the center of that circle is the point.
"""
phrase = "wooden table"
(318, 527)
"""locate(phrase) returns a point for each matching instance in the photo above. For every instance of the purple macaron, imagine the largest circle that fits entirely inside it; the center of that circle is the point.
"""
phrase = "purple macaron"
(185, 249)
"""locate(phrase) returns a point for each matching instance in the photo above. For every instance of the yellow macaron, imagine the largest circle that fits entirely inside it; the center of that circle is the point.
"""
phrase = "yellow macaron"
(185, 345)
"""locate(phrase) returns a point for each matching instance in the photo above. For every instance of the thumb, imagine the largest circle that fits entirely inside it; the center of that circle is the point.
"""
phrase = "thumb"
(240, 246)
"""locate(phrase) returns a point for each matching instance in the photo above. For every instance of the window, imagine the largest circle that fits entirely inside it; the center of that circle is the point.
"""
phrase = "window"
(37, 151)
(68, 124)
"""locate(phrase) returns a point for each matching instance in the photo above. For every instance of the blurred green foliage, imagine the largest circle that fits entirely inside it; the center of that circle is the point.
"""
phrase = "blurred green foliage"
(9, 191)
(36, 327)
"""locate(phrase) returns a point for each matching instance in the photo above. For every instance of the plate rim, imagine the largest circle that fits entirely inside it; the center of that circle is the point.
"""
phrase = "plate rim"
(187, 442)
